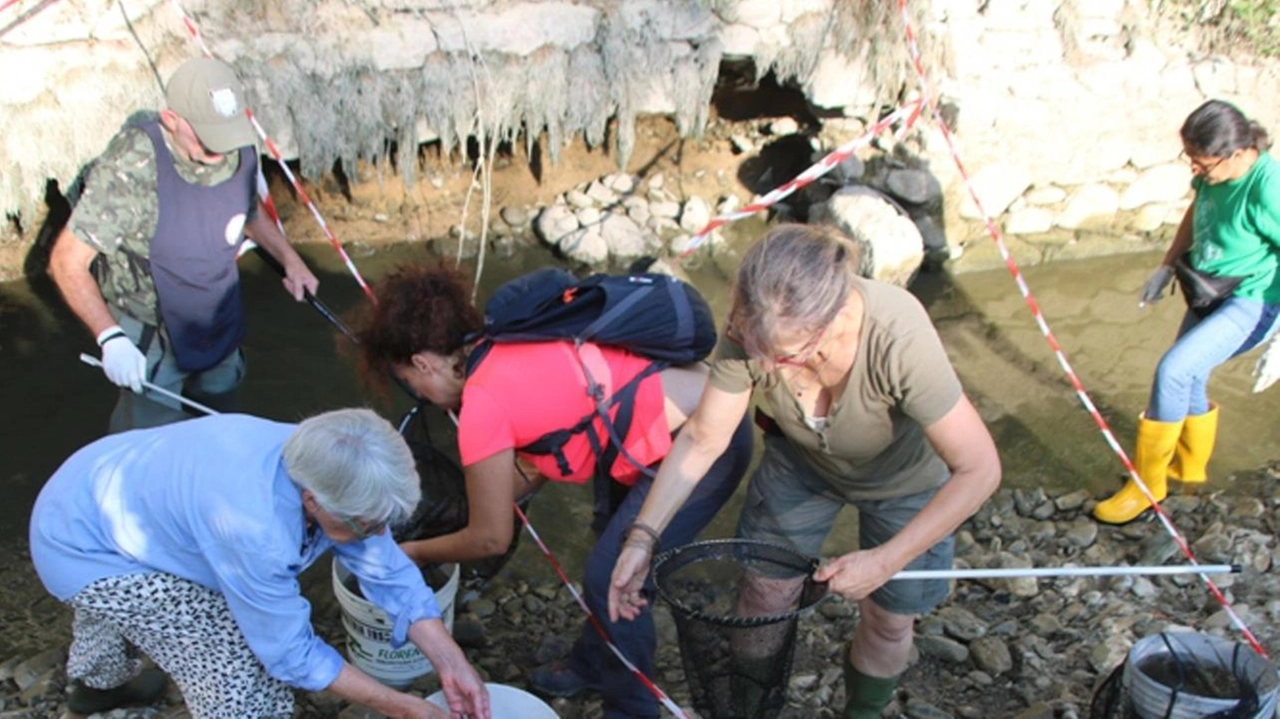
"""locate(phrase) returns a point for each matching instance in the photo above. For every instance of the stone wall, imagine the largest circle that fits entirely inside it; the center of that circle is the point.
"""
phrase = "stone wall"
(1066, 111)
(1069, 112)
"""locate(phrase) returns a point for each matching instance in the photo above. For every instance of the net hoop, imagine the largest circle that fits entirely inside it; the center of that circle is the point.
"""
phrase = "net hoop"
(672, 560)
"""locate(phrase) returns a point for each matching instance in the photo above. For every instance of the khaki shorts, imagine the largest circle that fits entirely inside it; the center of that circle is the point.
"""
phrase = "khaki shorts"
(791, 505)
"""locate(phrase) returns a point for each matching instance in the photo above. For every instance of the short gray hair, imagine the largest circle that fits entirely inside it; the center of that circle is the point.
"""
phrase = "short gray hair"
(795, 277)
(356, 464)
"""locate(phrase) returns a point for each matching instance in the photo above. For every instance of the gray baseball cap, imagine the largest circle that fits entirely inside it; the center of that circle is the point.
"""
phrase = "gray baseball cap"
(207, 94)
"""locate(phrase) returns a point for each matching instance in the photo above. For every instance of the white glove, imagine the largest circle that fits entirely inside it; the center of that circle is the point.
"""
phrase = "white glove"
(1153, 290)
(121, 361)
(1267, 370)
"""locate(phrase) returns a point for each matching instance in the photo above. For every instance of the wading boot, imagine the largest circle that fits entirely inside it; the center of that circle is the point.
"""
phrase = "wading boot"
(1195, 446)
(142, 689)
(865, 696)
(1152, 454)
(558, 679)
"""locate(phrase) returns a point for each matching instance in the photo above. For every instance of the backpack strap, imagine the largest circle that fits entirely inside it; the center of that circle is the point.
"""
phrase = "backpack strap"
(552, 443)
(607, 318)
(607, 498)
(477, 353)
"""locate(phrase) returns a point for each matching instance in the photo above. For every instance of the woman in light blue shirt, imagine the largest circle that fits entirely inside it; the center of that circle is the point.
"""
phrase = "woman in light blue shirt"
(187, 541)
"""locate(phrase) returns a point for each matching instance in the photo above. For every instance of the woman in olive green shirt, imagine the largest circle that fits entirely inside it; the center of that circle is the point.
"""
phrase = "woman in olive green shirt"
(868, 411)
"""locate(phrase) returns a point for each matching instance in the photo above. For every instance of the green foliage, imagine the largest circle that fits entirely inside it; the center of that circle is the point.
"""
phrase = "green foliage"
(1229, 26)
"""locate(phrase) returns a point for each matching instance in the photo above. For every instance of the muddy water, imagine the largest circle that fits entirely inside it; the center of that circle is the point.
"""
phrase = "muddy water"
(53, 404)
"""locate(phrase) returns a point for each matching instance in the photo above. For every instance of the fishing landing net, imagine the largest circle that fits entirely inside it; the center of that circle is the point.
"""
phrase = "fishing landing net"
(737, 658)
(443, 509)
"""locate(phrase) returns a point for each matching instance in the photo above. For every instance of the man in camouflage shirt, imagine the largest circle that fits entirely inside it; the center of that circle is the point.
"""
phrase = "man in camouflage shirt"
(147, 260)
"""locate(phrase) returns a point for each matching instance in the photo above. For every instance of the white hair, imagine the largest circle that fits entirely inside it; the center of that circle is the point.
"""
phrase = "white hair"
(356, 464)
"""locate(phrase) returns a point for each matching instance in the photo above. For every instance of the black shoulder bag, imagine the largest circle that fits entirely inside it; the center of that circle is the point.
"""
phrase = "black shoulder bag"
(1203, 292)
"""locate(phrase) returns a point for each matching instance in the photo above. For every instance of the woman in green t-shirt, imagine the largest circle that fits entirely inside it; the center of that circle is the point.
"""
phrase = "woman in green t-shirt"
(865, 410)
(1225, 255)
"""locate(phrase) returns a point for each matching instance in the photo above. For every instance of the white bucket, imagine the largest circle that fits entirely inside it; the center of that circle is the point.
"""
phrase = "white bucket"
(369, 631)
(1207, 661)
(507, 703)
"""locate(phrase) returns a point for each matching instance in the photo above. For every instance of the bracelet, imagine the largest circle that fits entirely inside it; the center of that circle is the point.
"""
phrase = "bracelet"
(638, 544)
(109, 334)
(646, 529)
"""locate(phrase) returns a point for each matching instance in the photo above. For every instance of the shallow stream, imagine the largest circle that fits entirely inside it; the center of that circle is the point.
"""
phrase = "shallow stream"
(53, 404)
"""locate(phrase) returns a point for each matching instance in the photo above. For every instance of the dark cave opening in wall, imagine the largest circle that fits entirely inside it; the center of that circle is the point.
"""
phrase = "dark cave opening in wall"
(740, 97)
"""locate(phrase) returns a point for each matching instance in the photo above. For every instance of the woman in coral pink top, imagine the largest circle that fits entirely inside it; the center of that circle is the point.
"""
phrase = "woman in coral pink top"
(520, 392)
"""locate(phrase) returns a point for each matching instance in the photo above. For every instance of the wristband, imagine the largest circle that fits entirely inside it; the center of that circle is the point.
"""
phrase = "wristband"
(646, 529)
(109, 334)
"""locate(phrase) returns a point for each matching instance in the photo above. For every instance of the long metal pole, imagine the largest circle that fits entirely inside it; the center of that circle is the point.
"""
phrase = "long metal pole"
(1018, 573)
(95, 362)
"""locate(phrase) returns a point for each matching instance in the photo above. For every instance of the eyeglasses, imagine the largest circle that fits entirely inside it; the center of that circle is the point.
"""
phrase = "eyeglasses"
(1199, 165)
(801, 357)
(361, 530)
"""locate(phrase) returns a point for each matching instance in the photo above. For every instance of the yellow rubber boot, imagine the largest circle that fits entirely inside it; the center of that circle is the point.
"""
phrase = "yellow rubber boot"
(1153, 452)
(1195, 446)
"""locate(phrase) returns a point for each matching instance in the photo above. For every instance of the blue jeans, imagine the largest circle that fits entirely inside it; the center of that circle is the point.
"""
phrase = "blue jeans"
(1179, 389)
(624, 695)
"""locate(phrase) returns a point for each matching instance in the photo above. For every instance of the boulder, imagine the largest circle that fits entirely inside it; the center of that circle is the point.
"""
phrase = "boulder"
(997, 185)
(1159, 184)
(892, 248)
(1090, 207)
(586, 245)
(695, 215)
(554, 223)
(915, 187)
(624, 238)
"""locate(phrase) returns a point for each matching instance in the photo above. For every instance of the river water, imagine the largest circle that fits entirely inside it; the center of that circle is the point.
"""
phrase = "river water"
(53, 404)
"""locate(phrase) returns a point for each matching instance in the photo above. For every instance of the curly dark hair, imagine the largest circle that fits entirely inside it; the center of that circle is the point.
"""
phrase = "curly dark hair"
(418, 309)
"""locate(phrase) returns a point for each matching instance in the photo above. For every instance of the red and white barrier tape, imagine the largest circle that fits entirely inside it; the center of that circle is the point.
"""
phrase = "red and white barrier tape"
(275, 152)
(270, 146)
(595, 622)
(25, 16)
(910, 112)
(1165, 520)
(648, 683)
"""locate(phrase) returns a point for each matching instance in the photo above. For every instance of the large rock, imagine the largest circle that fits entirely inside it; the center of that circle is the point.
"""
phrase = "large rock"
(1028, 221)
(915, 187)
(1091, 206)
(695, 215)
(554, 223)
(1160, 184)
(624, 238)
(997, 185)
(892, 248)
(586, 245)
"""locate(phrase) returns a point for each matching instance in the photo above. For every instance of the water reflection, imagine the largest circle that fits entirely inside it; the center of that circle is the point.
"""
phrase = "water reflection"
(53, 404)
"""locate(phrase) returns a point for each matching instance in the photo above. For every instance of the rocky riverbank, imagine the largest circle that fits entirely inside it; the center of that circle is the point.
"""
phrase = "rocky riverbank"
(1025, 648)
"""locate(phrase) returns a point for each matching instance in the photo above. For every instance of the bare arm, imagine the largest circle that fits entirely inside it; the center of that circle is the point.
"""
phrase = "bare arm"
(69, 266)
(702, 439)
(462, 686)
(963, 442)
(1182, 238)
(297, 276)
(357, 687)
(492, 486)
